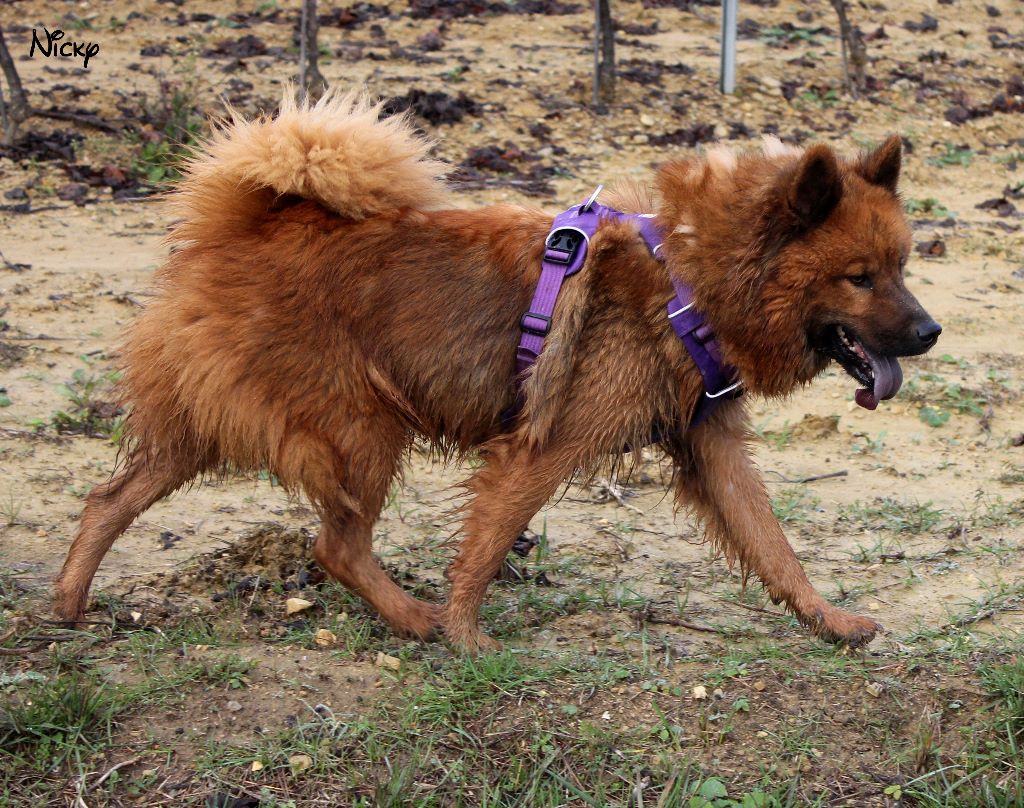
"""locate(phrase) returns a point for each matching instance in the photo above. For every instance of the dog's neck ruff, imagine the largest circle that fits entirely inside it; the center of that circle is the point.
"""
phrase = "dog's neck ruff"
(565, 252)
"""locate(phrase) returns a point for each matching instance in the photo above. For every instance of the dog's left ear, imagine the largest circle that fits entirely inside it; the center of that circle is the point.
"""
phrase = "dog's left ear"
(882, 166)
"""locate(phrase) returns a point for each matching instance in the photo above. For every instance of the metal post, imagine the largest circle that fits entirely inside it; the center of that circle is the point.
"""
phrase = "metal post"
(597, 54)
(728, 80)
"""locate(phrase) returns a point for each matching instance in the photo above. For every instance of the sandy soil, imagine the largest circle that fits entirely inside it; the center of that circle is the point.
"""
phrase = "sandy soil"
(924, 521)
(91, 265)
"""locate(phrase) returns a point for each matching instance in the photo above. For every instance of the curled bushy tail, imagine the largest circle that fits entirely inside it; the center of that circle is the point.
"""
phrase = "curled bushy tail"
(338, 152)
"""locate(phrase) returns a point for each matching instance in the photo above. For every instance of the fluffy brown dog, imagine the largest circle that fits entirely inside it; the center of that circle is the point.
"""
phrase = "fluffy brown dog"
(325, 304)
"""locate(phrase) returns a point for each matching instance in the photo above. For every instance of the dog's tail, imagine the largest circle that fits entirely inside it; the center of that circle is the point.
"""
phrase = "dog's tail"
(337, 152)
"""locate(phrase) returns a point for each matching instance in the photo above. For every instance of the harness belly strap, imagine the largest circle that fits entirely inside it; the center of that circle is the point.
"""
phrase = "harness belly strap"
(565, 252)
(699, 339)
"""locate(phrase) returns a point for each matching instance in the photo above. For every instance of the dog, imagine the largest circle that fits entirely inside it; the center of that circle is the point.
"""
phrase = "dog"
(324, 303)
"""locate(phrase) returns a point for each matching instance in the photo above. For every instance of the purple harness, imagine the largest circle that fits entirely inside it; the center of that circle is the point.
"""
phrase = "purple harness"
(565, 253)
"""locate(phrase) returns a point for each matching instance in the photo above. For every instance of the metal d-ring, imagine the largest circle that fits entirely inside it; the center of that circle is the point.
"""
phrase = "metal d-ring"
(724, 390)
(593, 198)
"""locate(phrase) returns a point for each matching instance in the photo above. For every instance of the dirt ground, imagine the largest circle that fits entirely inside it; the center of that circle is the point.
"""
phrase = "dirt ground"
(911, 514)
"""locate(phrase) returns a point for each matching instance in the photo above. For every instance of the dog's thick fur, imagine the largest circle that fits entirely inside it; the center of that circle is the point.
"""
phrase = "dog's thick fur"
(324, 304)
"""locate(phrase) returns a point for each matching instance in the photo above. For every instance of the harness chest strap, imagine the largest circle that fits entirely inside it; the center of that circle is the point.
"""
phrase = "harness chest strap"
(565, 252)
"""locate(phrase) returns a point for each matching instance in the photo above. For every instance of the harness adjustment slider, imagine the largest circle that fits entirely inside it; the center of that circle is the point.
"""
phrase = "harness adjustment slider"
(531, 328)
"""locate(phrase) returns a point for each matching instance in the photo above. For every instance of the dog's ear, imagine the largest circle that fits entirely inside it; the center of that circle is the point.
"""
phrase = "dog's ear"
(882, 166)
(815, 187)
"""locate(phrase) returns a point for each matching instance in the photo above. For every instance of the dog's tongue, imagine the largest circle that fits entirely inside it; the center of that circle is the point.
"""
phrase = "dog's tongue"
(888, 378)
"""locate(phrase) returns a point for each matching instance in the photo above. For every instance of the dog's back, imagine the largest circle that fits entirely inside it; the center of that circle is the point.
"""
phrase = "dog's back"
(311, 280)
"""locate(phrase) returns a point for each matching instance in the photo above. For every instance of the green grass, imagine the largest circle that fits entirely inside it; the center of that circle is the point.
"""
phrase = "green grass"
(888, 513)
(869, 445)
(176, 129)
(1012, 476)
(776, 36)
(90, 410)
(484, 732)
(929, 206)
(53, 723)
(817, 98)
(953, 155)
(939, 399)
(778, 439)
(794, 505)
(522, 728)
(989, 772)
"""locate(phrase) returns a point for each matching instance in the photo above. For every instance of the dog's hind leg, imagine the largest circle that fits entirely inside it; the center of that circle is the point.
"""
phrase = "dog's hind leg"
(718, 478)
(509, 490)
(109, 509)
(343, 548)
(350, 487)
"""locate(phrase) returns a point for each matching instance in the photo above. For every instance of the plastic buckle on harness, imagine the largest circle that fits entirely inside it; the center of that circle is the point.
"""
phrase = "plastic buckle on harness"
(562, 245)
(537, 331)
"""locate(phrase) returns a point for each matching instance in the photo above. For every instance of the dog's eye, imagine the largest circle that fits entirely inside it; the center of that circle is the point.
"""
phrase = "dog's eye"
(863, 281)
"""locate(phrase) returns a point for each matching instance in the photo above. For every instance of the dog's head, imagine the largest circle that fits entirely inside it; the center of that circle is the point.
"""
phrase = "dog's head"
(817, 246)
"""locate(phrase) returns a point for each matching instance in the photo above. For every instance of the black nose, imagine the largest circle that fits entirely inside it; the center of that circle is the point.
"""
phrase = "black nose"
(928, 332)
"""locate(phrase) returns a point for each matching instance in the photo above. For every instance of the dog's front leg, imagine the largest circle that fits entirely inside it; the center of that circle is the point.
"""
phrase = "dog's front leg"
(508, 490)
(719, 481)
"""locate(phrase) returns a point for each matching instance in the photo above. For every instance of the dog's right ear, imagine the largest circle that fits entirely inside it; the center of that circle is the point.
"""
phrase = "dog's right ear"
(815, 187)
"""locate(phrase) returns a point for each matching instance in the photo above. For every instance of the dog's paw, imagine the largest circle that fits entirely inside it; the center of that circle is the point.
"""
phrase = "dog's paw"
(478, 643)
(470, 641)
(420, 621)
(836, 626)
(69, 604)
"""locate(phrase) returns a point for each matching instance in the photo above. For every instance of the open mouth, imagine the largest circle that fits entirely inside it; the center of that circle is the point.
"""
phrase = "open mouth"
(880, 375)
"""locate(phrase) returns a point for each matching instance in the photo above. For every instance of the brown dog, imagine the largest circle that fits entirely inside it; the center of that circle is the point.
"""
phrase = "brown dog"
(324, 305)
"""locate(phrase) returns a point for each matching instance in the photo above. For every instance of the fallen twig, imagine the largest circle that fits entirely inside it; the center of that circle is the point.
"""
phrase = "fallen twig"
(11, 432)
(27, 208)
(606, 490)
(36, 338)
(113, 769)
(812, 479)
(13, 265)
(674, 621)
(971, 619)
(77, 117)
(647, 616)
(750, 608)
(11, 651)
(44, 638)
(621, 545)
